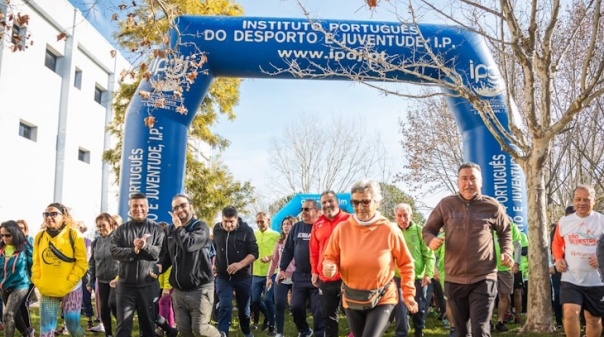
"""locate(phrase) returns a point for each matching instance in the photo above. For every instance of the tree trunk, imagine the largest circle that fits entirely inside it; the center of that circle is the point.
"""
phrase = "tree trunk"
(539, 311)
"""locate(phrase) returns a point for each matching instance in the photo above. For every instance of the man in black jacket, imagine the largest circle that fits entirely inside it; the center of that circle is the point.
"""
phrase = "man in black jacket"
(187, 249)
(136, 245)
(236, 249)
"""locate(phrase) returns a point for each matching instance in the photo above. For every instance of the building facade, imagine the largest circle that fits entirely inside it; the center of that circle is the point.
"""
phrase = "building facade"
(55, 102)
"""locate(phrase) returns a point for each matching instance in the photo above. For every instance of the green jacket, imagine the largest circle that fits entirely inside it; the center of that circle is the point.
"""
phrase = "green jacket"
(423, 257)
(516, 238)
(266, 243)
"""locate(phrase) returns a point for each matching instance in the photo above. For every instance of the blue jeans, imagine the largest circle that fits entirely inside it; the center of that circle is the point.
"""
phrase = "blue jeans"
(266, 307)
(281, 291)
(401, 312)
(224, 290)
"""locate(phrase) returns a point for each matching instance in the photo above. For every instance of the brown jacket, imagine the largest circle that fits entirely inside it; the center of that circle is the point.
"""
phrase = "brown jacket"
(469, 246)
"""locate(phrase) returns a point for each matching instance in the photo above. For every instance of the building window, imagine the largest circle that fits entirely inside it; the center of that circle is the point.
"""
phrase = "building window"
(18, 37)
(84, 155)
(51, 60)
(28, 131)
(99, 94)
(77, 79)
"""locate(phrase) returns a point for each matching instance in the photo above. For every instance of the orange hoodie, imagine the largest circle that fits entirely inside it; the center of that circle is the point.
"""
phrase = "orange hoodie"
(367, 255)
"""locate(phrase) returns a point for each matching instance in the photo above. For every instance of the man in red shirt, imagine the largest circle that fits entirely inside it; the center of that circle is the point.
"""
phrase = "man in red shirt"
(329, 287)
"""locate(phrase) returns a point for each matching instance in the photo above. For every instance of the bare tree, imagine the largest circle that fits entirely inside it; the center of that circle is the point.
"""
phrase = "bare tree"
(314, 154)
(532, 41)
(431, 155)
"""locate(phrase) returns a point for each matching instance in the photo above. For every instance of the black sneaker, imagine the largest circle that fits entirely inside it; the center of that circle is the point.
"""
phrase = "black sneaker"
(172, 332)
(501, 327)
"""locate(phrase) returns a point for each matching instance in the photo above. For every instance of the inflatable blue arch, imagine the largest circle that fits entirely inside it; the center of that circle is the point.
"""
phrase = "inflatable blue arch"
(161, 111)
(293, 207)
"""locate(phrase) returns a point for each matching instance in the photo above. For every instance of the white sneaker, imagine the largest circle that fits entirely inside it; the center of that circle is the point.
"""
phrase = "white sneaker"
(98, 328)
(279, 335)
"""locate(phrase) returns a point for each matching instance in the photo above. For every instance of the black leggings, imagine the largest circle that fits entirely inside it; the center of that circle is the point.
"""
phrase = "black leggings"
(107, 308)
(369, 323)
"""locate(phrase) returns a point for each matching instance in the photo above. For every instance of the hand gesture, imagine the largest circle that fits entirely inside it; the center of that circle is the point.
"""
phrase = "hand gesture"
(280, 276)
(411, 305)
(561, 265)
(175, 220)
(234, 267)
(506, 260)
(329, 268)
(436, 243)
(314, 279)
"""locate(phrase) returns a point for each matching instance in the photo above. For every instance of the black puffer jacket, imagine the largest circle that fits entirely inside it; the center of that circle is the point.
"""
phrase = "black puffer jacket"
(233, 247)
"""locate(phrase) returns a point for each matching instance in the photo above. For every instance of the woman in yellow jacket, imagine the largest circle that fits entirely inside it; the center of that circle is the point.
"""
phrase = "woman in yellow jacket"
(59, 263)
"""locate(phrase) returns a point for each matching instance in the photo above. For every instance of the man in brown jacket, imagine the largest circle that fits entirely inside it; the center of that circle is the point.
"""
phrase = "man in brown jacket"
(469, 219)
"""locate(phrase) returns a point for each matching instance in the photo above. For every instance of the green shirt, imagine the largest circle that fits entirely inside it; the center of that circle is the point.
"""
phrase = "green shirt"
(266, 243)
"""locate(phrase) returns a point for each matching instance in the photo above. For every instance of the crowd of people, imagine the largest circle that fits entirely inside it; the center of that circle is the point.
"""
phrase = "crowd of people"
(465, 262)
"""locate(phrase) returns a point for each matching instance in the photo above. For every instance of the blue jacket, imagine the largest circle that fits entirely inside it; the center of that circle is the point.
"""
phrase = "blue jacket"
(15, 271)
(297, 246)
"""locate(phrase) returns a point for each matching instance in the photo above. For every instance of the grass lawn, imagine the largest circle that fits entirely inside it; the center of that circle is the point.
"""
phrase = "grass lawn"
(434, 328)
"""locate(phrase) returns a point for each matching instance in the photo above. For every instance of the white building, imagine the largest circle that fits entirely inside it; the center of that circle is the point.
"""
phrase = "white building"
(55, 101)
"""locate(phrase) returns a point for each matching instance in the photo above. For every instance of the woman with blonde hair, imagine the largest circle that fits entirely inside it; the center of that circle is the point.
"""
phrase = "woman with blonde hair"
(59, 263)
(366, 249)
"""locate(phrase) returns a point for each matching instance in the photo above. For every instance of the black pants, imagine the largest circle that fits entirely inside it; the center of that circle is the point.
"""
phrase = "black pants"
(472, 303)
(107, 308)
(302, 292)
(330, 295)
(369, 323)
(142, 299)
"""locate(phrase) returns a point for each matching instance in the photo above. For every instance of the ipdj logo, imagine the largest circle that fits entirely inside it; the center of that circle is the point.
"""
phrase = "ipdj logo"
(485, 80)
(168, 72)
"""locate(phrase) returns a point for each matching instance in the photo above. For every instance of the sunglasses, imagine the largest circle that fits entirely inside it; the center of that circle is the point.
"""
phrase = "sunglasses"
(51, 214)
(6, 235)
(307, 209)
(177, 207)
(365, 202)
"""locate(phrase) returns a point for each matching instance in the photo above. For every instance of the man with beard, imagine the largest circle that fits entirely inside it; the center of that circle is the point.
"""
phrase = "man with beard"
(330, 291)
(187, 249)
(297, 248)
(236, 250)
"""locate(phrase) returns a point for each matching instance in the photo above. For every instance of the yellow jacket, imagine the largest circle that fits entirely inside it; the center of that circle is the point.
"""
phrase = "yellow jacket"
(52, 276)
